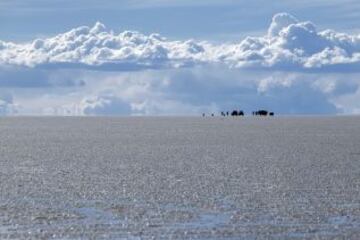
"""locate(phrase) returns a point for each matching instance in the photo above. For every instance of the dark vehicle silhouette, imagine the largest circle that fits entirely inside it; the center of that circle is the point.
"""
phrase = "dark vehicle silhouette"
(261, 113)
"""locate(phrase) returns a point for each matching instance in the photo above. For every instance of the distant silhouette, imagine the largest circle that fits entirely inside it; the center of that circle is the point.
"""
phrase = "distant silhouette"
(234, 113)
(261, 113)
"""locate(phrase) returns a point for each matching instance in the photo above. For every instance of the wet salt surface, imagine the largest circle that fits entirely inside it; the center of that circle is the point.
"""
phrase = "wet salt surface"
(180, 178)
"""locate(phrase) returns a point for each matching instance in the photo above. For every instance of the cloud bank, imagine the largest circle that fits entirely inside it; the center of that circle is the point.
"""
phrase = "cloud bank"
(288, 45)
(294, 68)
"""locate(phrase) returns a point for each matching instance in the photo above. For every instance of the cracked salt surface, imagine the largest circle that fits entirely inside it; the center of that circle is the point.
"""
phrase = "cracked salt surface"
(180, 178)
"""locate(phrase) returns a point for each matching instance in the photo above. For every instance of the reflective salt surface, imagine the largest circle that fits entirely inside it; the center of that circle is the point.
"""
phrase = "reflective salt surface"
(180, 178)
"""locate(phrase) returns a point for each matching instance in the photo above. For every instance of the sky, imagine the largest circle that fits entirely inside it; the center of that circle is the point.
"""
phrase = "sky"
(172, 57)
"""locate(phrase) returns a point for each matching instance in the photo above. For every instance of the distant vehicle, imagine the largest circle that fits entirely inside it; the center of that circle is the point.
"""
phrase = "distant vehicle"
(261, 113)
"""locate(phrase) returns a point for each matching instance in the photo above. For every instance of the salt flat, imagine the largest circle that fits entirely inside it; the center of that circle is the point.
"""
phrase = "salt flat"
(180, 178)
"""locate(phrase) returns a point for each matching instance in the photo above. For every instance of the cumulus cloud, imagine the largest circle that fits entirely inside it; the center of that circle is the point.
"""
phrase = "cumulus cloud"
(7, 106)
(95, 47)
(104, 105)
(289, 45)
(97, 105)
(210, 90)
(297, 46)
(193, 91)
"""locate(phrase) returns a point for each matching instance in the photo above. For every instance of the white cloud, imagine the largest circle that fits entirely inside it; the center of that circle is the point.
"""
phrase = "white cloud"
(95, 47)
(288, 45)
(104, 105)
(92, 106)
(279, 22)
(192, 91)
(7, 106)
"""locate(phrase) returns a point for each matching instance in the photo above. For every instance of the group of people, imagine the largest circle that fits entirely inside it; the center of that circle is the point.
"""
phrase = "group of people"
(236, 113)
(233, 113)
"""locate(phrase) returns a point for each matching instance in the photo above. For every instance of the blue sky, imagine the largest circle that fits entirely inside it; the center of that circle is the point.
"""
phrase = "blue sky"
(228, 20)
(90, 57)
